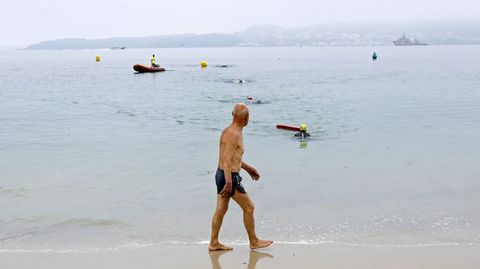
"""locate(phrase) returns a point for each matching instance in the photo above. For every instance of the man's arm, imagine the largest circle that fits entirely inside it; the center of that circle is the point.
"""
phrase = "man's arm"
(246, 166)
(251, 171)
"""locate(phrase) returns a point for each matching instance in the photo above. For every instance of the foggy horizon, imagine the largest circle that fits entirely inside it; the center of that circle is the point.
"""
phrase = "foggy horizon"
(54, 19)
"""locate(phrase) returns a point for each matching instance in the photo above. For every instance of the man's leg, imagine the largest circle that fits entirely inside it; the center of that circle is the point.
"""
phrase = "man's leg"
(244, 201)
(222, 207)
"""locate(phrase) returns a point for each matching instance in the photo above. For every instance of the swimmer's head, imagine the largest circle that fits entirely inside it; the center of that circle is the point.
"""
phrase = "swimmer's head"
(240, 114)
(303, 127)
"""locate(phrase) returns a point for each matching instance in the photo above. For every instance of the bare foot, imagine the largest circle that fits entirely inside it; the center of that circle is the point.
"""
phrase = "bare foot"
(217, 246)
(260, 244)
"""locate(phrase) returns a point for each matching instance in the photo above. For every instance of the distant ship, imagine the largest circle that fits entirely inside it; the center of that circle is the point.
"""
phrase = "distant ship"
(117, 48)
(404, 41)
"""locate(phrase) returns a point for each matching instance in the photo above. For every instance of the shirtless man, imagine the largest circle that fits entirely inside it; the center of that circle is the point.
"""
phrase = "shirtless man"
(229, 181)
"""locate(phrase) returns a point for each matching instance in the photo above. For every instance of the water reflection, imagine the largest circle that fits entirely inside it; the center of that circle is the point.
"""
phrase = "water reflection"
(303, 144)
(215, 256)
(255, 256)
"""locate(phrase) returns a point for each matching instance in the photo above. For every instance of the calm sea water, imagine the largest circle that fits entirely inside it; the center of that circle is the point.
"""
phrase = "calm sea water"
(94, 156)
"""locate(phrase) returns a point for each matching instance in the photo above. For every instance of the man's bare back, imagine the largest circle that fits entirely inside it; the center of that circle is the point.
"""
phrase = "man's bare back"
(228, 181)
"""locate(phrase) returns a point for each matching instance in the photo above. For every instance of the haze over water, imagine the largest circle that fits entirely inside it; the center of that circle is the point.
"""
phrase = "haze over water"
(93, 156)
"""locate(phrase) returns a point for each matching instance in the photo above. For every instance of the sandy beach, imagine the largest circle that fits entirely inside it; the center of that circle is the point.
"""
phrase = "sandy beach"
(278, 256)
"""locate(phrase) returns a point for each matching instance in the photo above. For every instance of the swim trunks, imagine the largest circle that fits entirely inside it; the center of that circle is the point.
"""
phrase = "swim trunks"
(236, 181)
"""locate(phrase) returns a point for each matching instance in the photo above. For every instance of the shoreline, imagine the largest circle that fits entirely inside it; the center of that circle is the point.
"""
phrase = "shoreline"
(276, 256)
(139, 246)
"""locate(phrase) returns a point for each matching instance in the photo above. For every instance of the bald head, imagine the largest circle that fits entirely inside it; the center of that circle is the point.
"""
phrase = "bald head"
(240, 109)
(240, 114)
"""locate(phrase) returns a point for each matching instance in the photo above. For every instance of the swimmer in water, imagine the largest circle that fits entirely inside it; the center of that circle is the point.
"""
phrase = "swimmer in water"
(251, 101)
(303, 132)
(239, 81)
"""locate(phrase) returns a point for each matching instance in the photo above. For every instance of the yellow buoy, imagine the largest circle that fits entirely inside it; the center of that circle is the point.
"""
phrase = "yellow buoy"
(97, 58)
(203, 64)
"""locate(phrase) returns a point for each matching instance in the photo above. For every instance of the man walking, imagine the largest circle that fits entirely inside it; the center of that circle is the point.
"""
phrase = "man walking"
(229, 184)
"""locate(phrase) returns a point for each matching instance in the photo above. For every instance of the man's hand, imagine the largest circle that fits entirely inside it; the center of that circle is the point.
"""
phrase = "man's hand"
(227, 190)
(253, 173)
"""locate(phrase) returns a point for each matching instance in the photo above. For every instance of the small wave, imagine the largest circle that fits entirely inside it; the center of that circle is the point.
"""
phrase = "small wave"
(209, 172)
(131, 114)
(213, 129)
(86, 222)
(245, 100)
(18, 192)
(16, 236)
(370, 245)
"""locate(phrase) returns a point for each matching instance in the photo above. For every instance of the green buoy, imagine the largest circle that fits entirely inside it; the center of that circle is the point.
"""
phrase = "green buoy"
(374, 56)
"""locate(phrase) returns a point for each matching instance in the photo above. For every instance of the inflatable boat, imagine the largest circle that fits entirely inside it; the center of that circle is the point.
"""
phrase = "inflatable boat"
(140, 68)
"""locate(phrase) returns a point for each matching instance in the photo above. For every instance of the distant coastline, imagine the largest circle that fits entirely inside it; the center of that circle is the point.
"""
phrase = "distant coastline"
(276, 36)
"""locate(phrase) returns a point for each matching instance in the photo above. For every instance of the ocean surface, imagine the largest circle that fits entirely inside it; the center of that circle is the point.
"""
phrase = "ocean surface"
(94, 157)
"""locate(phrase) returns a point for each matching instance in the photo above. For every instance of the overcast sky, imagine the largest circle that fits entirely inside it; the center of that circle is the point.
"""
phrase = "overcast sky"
(23, 22)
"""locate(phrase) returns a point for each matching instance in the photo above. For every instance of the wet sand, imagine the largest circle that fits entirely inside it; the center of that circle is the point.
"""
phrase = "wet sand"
(278, 256)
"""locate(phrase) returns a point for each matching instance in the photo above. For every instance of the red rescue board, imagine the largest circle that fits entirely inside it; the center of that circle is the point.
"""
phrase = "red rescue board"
(287, 127)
